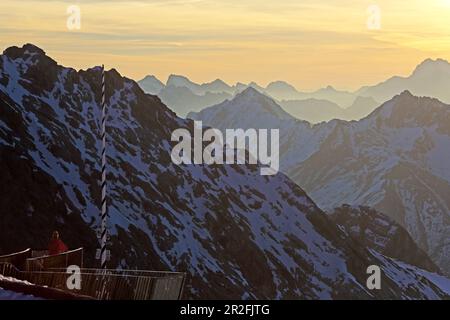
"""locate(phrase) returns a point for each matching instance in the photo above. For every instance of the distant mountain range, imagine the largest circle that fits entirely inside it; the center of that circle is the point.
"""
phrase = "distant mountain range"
(317, 110)
(184, 96)
(430, 78)
(395, 160)
(237, 234)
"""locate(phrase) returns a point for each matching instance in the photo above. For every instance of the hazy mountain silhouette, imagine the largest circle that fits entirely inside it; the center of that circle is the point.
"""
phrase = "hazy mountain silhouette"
(151, 84)
(182, 100)
(281, 90)
(360, 108)
(318, 110)
(342, 98)
(183, 96)
(313, 110)
(216, 86)
(430, 78)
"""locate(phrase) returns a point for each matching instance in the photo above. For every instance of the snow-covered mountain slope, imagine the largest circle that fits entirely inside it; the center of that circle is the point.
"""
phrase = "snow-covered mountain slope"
(406, 276)
(395, 160)
(311, 110)
(11, 295)
(248, 101)
(375, 230)
(236, 233)
(251, 109)
(6, 294)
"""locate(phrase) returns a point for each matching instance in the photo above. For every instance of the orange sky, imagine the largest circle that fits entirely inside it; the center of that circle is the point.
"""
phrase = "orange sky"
(309, 43)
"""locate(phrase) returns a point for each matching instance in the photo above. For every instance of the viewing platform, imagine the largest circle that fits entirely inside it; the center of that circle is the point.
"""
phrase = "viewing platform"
(47, 276)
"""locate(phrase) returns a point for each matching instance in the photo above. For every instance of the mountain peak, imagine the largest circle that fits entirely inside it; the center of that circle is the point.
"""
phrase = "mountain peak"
(218, 81)
(151, 84)
(250, 92)
(150, 78)
(217, 85)
(432, 66)
(403, 100)
(256, 86)
(176, 79)
(430, 61)
(405, 94)
(176, 76)
(408, 110)
(31, 48)
(28, 49)
(281, 85)
(406, 98)
(327, 89)
(259, 102)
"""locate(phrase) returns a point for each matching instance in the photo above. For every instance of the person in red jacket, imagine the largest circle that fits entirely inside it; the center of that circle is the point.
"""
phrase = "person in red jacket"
(56, 246)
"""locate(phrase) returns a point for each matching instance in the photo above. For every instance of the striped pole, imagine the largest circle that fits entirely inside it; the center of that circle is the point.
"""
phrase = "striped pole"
(104, 200)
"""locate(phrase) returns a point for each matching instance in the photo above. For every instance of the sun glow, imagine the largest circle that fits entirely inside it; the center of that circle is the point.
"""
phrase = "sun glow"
(308, 43)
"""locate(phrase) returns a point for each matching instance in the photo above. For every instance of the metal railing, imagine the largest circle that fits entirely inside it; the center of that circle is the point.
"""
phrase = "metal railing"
(144, 284)
(18, 259)
(111, 285)
(39, 253)
(62, 260)
(7, 269)
(102, 284)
